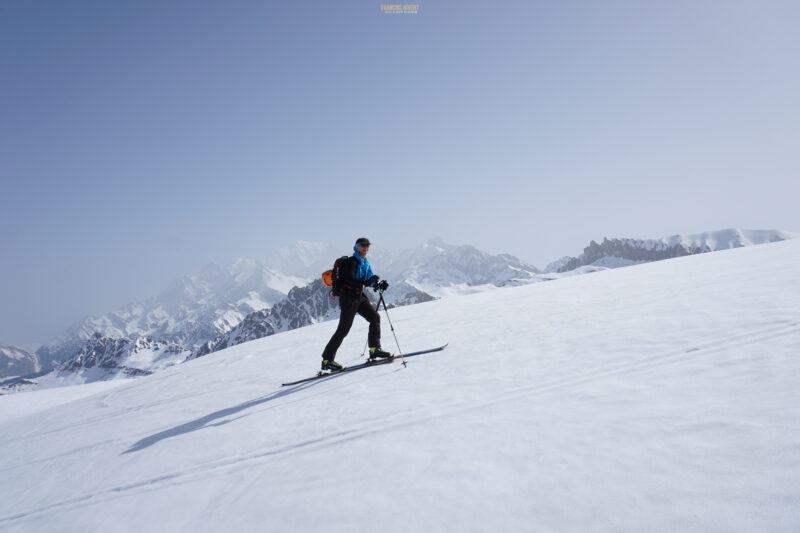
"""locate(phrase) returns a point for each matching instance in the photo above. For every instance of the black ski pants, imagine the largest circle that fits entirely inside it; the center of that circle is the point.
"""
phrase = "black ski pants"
(351, 304)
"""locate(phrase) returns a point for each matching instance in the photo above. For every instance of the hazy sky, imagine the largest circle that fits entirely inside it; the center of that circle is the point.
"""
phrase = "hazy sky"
(141, 140)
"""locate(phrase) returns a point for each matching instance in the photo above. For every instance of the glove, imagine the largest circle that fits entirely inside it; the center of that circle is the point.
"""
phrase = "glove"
(383, 285)
(371, 281)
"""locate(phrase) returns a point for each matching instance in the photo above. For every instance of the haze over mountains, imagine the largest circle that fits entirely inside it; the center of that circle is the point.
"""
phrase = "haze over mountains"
(15, 361)
(222, 306)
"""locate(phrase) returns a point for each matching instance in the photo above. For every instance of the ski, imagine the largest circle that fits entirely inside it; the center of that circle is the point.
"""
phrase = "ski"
(364, 365)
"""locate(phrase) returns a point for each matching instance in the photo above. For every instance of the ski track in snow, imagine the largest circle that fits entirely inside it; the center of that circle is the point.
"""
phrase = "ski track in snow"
(758, 334)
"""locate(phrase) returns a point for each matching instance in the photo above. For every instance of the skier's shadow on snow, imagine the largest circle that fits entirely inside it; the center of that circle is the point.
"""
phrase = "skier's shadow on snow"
(208, 420)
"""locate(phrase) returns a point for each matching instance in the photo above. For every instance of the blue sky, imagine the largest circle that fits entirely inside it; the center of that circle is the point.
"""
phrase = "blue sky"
(141, 140)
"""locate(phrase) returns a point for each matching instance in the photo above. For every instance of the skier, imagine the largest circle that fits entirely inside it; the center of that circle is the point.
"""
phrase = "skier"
(356, 274)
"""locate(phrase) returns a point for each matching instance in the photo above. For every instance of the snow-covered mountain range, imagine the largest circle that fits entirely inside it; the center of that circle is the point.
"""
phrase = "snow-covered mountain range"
(436, 266)
(248, 299)
(192, 310)
(302, 306)
(198, 308)
(224, 305)
(614, 253)
(130, 357)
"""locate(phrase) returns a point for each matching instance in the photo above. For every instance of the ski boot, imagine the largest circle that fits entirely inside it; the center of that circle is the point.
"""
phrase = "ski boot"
(377, 353)
(331, 365)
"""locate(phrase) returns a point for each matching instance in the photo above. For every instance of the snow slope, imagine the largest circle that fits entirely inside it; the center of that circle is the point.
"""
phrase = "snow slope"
(22, 405)
(660, 397)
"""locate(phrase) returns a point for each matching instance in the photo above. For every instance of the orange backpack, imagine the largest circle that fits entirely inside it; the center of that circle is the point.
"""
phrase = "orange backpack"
(332, 278)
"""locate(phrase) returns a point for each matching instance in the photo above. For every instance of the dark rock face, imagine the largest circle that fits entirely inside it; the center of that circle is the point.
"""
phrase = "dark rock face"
(301, 307)
(111, 354)
(98, 351)
(51, 355)
(254, 326)
(15, 385)
(631, 249)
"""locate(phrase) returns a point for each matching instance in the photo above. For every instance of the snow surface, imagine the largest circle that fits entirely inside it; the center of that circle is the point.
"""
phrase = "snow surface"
(660, 397)
(21, 405)
(55, 380)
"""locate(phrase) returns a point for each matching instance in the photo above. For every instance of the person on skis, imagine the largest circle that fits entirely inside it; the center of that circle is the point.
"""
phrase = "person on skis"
(355, 274)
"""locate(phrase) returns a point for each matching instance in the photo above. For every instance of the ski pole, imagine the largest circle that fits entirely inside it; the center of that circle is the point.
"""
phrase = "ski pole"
(386, 310)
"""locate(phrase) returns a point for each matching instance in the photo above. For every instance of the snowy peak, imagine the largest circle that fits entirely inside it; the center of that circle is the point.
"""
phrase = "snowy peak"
(102, 357)
(239, 279)
(556, 265)
(16, 361)
(437, 264)
(612, 253)
(727, 238)
(192, 310)
(303, 306)
(438, 244)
